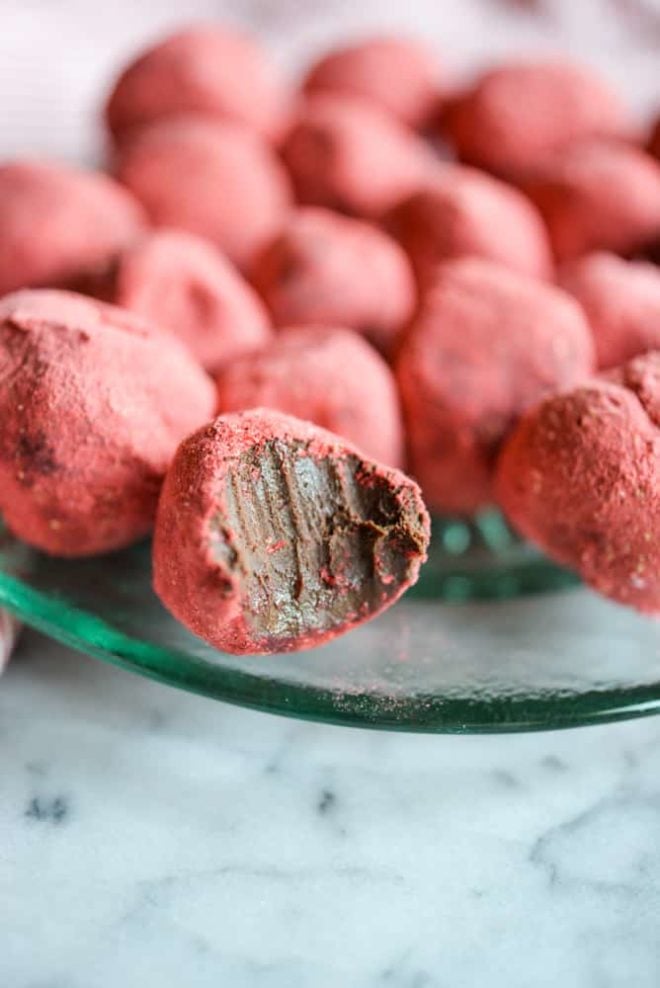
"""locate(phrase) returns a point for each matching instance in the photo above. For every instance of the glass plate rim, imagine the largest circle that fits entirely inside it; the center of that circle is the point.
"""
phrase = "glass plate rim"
(441, 716)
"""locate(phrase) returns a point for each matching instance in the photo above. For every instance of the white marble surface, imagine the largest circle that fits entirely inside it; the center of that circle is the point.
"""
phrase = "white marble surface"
(149, 837)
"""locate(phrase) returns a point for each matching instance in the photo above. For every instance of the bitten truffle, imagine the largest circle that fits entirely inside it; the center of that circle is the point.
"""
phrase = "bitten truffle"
(93, 405)
(331, 377)
(347, 154)
(517, 116)
(622, 303)
(599, 196)
(337, 271)
(274, 535)
(207, 70)
(217, 180)
(580, 477)
(182, 283)
(399, 75)
(57, 222)
(485, 345)
(465, 212)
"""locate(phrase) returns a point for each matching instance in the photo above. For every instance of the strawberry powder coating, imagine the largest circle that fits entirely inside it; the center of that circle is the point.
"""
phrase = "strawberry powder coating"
(599, 196)
(93, 405)
(347, 154)
(518, 115)
(217, 180)
(207, 70)
(331, 377)
(485, 345)
(397, 74)
(463, 212)
(336, 271)
(58, 222)
(184, 284)
(580, 477)
(622, 302)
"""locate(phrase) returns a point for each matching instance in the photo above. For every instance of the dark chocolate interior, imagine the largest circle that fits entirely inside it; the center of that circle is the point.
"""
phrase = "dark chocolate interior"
(318, 542)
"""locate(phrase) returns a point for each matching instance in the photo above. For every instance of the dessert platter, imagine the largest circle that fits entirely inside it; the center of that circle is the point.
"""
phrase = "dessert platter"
(341, 400)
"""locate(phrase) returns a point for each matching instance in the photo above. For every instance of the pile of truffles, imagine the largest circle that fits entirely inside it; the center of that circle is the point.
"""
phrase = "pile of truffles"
(274, 301)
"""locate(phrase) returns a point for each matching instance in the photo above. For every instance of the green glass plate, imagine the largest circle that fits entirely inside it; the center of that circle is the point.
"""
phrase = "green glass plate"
(493, 638)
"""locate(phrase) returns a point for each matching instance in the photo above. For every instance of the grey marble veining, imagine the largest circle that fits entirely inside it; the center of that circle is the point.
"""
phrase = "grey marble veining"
(153, 837)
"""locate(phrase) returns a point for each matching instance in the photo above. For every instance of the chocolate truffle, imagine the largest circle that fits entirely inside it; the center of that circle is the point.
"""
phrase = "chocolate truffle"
(57, 222)
(516, 116)
(331, 377)
(485, 345)
(93, 405)
(622, 303)
(599, 196)
(346, 153)
(184, 284)
(397, 74)
(274, 535)
(337, 271)
(465, 212)
(208, 70)
(217, 180)
(580, 477)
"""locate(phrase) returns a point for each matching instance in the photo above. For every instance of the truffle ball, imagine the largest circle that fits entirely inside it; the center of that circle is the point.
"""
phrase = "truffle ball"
(580, 477)
(465, 212)
(93, 405)
(217, 180)
(599, 196)
(397, 74)
(337, 271)
(331, 377)
(485, 345)
(57, 222)
(518, 115)
(208, 70)
(346, 153)
(182, 283)
(622, 303)
(274, 535)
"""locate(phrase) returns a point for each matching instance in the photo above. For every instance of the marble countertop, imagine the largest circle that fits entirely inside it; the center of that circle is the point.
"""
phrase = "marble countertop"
(149, 837)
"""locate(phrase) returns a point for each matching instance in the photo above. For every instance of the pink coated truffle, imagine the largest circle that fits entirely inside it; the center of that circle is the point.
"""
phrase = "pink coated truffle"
(93, 405)
(182, 283)
(207, 70)
(485, 345)
(217, 180)
(517, 116)
(397, 74)
(465, 212)
(274, 535)
(57, 222)
(599, 196)
(330, 269)
(580, 477)
(622, 303)
(347, 154)
(331, 377)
